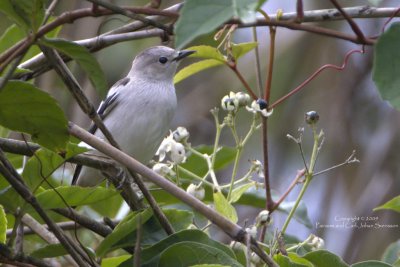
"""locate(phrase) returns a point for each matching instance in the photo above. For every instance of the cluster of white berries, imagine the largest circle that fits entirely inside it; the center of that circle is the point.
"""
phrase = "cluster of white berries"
(315, 242)
(233, 101)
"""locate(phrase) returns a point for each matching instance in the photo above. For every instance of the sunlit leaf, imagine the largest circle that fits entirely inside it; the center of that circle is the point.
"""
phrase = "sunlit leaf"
(3, 225)
(371, 263)
(224, 207)
(239, 50)
(207, 52)
(195, 68)
(393, 204)
(239, 191)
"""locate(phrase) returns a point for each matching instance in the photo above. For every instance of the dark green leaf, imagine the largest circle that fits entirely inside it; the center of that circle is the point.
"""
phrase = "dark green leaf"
(28, 14)
(49, 251)
(201, 17)
(3, 225)
(73, 196)
(285, 261)
(190, 253)
(198, 166)
(371, 264)
(153, 232)
(37, 114)
(125, 227)
(392, 253)
(209, 265)
(386, 65)
(10, 199)
(324, 258)
(45, 162)
(393, 204)
(197, 236)
(84, 58)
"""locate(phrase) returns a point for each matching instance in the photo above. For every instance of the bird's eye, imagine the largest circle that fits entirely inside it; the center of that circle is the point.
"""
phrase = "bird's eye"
(163, 60)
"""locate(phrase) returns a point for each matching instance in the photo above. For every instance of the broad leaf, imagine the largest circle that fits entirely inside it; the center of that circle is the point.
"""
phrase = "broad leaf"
(201, 17)
(45, 162)
(285, 261)
(386, 65)
(85, 60)
(324, 258)
(239, 191)
(151, 255)
(195, 68)
(207, 52)
(114, 261)
(37, 114)
(28, 14)
(393, 204)
(49, 251)
(190, 253)
(125, 227)
(392, 253)
(222, 205)
(3, 225)
(371, 263)
(73, 196)
(239, 50)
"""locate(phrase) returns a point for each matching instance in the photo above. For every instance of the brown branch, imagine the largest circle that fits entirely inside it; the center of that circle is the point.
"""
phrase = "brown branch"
(9, 257)
(290, 188)
(130, 14)
(351, 22)
(16, 181)
(233, 230)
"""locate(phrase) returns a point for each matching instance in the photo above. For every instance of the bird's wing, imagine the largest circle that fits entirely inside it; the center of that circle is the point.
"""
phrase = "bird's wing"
(104, 109)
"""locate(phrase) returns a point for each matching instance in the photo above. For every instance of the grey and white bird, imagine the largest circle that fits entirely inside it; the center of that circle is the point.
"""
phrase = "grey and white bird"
(139, 108)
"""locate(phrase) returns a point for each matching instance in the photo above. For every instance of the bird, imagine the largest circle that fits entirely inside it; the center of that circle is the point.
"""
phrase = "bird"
(139, 108)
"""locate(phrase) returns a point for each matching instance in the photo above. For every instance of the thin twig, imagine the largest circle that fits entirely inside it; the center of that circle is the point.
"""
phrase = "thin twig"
(290, 188)
(130, 14)
(7, 253)
(15, 181)
(351, 22)
(309, 79)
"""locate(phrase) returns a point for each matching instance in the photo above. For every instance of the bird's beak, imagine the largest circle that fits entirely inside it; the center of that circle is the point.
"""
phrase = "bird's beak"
(183, 54)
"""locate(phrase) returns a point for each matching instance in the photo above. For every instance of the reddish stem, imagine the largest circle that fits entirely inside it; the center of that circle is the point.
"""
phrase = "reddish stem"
(233, 67)
(318, 71)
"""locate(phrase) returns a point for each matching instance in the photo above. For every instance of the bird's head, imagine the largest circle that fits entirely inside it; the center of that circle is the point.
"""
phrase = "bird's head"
(158, 63)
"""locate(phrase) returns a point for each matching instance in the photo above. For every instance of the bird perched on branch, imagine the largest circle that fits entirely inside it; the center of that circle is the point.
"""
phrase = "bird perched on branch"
(139, 108)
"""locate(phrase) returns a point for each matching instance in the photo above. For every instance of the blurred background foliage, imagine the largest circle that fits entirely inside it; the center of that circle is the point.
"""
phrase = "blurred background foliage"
(352, 116)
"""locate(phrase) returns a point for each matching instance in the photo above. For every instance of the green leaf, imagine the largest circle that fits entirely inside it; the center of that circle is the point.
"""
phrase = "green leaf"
(197, 236)
(190, 253)
(45, 162)
(3, 225)
(285, 261)
(10, 199)
(207, 52)
(73, 196)
(324, 258)
(85, 60)
(152, 232)
(13, 12)
(198, 166)
(195, 68)
(37, 114)
(386, 65)
(126, 226)
(49, 251)
(114, 261)
(392, 253)
(239, 50)
(371, 263)
(209, 265)
(28, 14)
(393, 204)
(224, 207)
(201, 17)
(239, 191)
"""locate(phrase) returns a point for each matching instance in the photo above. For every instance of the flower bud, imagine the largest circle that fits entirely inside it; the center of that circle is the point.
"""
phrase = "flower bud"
(260, 106)
(230, 102)
(196, 191)
(311, 117)
(163, 169)
(262, 218)
(252, 231)
(315, 242)
(178, 154)
(180, 134)
(243, 98)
